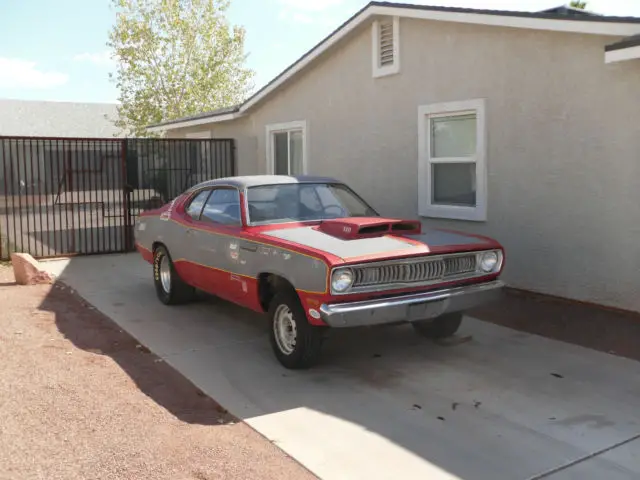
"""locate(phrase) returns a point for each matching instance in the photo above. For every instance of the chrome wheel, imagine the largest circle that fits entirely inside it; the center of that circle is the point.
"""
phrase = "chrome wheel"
(165, 274)
(284, 329)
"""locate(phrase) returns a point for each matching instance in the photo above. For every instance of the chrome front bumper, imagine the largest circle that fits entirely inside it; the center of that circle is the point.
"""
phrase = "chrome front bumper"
(410, 308)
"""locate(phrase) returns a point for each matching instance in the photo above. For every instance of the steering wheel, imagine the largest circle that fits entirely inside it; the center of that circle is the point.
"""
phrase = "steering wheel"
(339, 209)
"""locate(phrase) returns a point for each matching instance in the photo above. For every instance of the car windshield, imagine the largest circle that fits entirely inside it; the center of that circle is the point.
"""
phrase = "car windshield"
(304, 202)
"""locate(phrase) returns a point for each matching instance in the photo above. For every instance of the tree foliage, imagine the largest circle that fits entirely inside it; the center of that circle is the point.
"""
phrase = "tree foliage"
(578, 4)
(175, 58)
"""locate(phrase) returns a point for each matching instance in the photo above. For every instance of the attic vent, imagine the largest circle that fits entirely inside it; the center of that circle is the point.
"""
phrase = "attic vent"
(386, 46)
(386, 43)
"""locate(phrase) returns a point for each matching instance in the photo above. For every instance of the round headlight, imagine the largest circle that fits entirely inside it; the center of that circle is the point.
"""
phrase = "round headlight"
(341, 280)
(489, 261)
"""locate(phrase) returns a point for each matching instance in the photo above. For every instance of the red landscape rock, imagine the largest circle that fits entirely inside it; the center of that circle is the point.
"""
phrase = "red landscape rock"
(27, 271)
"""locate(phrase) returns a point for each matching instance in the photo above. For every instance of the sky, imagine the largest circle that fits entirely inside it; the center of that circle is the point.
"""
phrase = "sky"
(56, 49)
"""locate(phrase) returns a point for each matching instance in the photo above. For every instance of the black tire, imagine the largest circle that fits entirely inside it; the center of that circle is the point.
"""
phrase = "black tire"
(440, 327)
(178, 292)
(308, 338)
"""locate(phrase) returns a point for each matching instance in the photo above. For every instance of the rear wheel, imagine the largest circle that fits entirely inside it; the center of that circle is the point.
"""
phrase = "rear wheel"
(295, 342)
(440, 327)
(170, 288)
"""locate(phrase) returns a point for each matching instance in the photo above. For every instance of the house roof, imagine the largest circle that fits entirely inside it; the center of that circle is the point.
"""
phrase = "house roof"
(562, 18)
(572, 11)
(210, 114)
(27, 118)
(632, 41)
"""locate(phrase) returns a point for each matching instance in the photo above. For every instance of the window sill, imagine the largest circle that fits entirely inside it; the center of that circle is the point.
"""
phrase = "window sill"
(454, 213)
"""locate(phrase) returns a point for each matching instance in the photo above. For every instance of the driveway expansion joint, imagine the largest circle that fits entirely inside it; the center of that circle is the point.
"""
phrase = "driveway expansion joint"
(583, 459)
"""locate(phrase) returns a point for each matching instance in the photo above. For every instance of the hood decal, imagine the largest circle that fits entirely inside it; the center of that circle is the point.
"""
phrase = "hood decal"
(318, 240)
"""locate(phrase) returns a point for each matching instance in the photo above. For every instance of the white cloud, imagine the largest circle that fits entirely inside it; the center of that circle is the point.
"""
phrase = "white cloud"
(18, 73)
(102, 59)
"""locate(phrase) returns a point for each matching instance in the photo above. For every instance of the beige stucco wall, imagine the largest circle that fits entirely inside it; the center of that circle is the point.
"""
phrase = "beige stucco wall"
(563, 144)
(240, 130)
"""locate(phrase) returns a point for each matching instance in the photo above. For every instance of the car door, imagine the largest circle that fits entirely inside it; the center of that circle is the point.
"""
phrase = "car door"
(216, 244)
(186, 260)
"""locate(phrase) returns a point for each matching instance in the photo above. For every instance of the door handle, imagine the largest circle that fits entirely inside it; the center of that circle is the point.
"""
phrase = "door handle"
(249, 247)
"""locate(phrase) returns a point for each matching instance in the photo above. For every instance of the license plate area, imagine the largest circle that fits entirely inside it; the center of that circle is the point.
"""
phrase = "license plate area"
(425, 310)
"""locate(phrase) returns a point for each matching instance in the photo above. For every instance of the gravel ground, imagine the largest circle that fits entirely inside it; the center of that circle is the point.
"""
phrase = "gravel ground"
(79, 398)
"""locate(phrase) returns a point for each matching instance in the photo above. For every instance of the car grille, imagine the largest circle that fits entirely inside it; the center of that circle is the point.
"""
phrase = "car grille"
(418, 271)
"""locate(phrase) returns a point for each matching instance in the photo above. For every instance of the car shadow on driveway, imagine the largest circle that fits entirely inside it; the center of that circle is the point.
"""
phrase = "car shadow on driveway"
(93, 332)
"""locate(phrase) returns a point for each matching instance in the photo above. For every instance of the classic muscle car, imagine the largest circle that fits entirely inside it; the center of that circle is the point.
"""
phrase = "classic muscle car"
(313, 255)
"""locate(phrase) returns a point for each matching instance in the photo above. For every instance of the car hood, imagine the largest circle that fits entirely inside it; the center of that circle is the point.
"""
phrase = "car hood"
(388, 246)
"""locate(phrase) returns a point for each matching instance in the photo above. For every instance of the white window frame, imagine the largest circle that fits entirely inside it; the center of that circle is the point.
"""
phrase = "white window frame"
(394, 68)
(426, 208)
(299, 125)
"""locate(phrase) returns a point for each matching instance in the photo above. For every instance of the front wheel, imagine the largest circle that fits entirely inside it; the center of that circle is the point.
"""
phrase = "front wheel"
(170, 288)
(295, 342)
(440, 327)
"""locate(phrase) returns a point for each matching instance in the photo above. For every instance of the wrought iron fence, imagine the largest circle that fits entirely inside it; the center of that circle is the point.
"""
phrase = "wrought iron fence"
(65, 196)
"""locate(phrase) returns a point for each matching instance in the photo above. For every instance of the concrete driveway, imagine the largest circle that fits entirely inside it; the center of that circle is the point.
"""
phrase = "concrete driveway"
(386, 403)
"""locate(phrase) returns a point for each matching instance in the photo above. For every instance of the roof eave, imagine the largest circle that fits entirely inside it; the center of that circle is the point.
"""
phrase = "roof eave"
(194, 122)
(589, 25)
(622, 54)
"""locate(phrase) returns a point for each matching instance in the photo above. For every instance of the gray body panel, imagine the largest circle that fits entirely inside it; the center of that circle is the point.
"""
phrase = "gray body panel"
(224, 250)
(235, 256)
(345, 249)
(441, 238)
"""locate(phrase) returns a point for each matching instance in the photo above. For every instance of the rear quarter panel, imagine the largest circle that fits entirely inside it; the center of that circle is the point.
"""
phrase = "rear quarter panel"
(231, 262)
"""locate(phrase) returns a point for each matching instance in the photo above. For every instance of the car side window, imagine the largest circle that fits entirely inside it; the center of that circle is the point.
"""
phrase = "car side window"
(195, 206)
(223, 206)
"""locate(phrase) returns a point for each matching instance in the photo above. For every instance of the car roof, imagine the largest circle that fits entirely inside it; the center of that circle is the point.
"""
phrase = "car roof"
(247, 181)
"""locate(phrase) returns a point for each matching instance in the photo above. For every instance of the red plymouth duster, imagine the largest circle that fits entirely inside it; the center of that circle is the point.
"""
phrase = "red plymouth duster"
(312, 254)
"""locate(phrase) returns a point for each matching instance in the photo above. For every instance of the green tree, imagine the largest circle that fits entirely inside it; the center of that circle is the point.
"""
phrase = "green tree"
(578, 4)
(175, 58)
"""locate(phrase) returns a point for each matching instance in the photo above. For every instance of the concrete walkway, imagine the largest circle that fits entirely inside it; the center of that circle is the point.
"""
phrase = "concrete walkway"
(386, 404)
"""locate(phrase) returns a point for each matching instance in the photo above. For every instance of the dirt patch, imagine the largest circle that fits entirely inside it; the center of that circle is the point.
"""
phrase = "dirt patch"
(601, 329)
(80, 398)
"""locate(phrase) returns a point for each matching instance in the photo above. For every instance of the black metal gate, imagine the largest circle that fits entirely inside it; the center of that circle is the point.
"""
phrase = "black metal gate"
(71, 196)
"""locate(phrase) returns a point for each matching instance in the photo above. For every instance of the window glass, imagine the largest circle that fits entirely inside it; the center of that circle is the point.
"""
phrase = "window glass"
(223, 206)
(454, 184)
(288, 152)
(453, 136)
(295, 153)
(195, 207)
(281, 153)
(304, 202)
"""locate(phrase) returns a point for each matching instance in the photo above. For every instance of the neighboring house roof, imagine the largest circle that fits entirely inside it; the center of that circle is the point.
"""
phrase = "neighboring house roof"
(626, 49)
(567, 10)
(632, 41)
(27, 118)
(564, 19)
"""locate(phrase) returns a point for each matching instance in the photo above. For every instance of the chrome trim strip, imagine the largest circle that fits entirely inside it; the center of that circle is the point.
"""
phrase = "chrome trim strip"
(396, 309)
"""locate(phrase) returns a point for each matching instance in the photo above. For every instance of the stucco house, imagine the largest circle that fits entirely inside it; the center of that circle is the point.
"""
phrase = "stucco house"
(524, 126)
